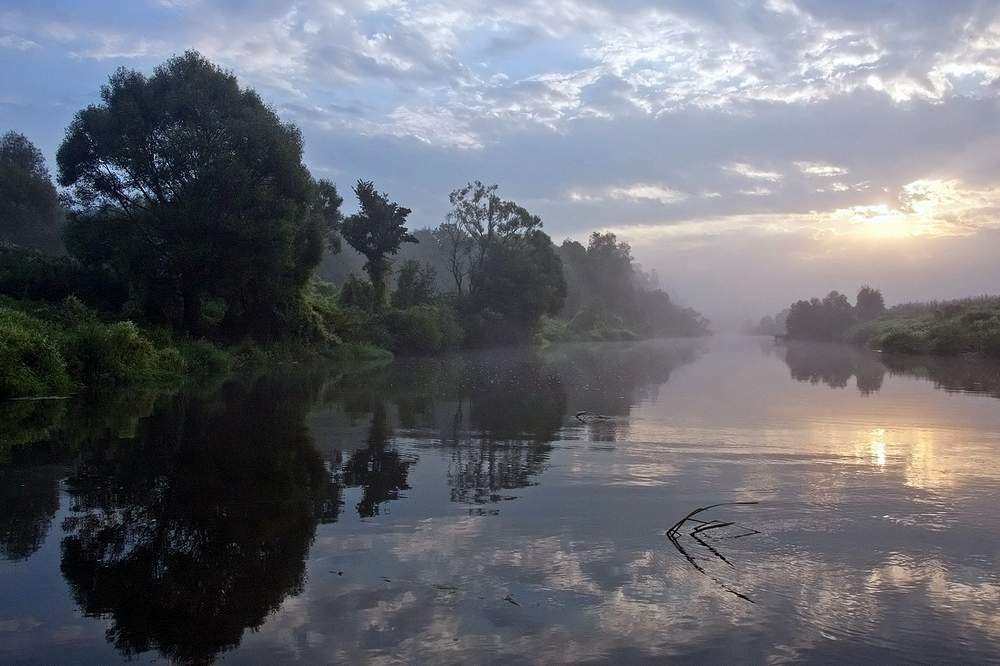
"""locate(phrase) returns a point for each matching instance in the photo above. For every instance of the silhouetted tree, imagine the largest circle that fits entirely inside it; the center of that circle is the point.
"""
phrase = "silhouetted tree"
(518, 282)
(377, 231)
(30, 213)
(869, 304)
(488, 222)
(326, 209)
(816, 319)
(193, 189)
(456, 246)
(608, 293)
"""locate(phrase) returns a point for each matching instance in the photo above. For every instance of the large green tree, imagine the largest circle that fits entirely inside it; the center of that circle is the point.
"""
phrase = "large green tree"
(377, 231)
(194, 191)
(30, 213)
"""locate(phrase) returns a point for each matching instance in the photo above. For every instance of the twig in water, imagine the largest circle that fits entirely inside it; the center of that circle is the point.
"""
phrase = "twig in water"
(674, 534)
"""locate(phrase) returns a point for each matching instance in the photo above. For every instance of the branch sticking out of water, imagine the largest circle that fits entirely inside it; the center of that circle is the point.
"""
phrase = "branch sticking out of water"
(675, 534)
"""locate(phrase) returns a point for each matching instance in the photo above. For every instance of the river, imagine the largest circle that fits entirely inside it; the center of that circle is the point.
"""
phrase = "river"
(459, 509)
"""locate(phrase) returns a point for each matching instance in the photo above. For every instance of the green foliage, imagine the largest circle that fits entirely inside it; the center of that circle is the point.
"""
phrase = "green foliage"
(377, 231)
(424, 329)
(518, 282)
(30, 213)
(952, 327)
(357, 293)
(199, 358)
(414, 286)
(54, 349)
(99, 354)
(30, 274)
(192, 189)
(30, 361)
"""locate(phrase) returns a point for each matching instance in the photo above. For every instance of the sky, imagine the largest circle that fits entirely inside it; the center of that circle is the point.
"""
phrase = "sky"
(752, 152)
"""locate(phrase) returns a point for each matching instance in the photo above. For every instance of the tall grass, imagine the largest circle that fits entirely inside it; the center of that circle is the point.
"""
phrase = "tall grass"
(969, 325)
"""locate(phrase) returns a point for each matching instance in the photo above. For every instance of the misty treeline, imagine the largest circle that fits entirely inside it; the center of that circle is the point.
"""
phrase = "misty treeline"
(186, 207)
(824, 318)
(969, 325)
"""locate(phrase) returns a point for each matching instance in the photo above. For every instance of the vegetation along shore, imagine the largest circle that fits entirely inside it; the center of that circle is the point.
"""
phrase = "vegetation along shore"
(189, 238)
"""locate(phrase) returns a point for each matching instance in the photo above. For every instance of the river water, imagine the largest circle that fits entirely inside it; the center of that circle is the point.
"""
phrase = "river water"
(457, 510)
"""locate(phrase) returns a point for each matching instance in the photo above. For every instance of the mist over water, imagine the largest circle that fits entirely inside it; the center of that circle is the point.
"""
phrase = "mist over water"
(457, 509)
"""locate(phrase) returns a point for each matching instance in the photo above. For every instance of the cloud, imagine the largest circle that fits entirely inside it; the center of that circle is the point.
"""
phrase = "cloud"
(743, 118)
(17, 43)
(748, 171)
(821, 169)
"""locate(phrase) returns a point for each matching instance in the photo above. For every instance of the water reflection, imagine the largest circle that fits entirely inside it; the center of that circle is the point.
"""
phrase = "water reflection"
(835, 365)
(197, 528)
(453, 509)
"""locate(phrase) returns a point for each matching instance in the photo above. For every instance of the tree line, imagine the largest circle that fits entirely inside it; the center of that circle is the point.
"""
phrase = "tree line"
(826, 319)
(186, 206)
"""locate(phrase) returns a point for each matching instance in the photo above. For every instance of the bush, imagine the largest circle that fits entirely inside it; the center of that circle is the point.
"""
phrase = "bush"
(106, 354)
(30, 362)
(902, 342)
(201, 358)
(357, 293)
(424, 328)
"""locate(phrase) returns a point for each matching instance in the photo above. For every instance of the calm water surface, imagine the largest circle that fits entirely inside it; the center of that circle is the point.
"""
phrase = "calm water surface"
(455, 510)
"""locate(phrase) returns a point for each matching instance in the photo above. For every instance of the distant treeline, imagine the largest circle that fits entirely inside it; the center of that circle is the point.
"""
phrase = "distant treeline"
(187, 209)
(970, 325)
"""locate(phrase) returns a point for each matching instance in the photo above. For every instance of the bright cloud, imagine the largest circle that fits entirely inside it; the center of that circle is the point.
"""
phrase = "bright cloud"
(820, 169)
(748, 171)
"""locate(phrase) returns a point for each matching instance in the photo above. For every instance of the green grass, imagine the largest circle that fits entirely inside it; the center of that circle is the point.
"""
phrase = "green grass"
(941, 327)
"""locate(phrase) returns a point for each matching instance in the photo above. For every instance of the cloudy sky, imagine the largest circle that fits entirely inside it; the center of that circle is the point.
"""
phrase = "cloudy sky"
(752, 152)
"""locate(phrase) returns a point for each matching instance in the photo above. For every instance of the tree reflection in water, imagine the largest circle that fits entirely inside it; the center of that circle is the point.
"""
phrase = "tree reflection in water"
(198, 527)
(191, 515)
(835, 364)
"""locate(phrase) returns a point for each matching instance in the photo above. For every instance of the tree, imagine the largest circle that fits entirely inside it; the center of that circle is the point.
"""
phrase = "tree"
(30, 213)
(415, 285)
(456, 246)
(487, 222)
(520, 281)
(326, 209)
(193, 190)
(817, 319)
(869, 304)
(377, 231)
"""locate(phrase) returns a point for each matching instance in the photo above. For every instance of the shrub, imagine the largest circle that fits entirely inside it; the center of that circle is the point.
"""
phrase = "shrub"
(902, 341)
(357, 293)
(424, 328)
(30, 362)
(106, 354)
(202, 359)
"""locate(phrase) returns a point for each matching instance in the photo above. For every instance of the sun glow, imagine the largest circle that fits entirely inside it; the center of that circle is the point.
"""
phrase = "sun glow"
(927, 207)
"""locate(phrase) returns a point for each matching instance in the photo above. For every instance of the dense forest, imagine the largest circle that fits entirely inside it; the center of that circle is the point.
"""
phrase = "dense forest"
(189, 236)
(970, 325)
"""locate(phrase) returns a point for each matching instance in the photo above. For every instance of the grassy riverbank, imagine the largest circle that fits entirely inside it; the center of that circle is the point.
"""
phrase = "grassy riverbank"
(969, 325)
(55, 350)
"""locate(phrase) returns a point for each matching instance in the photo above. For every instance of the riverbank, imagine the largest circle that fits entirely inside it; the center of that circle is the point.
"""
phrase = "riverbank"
(51, 350)
(965, 326)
